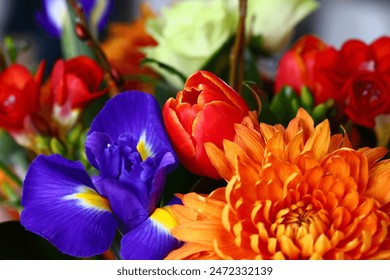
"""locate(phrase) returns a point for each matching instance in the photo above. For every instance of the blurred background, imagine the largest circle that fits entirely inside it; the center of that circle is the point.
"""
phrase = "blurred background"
(335, 22)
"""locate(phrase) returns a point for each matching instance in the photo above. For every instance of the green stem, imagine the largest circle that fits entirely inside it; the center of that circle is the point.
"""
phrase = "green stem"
(116, 245)
(82, 30)
(10, 174)
(236, 75)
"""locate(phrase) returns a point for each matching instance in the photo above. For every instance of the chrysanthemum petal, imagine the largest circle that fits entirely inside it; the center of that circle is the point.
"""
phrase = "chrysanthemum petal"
(378, 180)
(312, 197)
(61, 204)
(219, 161)
(302, 122)
(319, 141)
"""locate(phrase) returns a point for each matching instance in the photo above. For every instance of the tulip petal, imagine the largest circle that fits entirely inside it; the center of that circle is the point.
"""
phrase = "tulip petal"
(216, 85)
(62, 205)
(152, 239)
(215, 114)
(181, 139)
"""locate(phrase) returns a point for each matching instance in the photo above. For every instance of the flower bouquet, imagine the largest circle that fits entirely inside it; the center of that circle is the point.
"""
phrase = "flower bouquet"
(163, 139)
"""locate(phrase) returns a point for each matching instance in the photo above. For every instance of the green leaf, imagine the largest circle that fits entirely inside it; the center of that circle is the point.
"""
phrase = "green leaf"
(307, 99)
(11, 47)
(163, 91)
(285, 105)
(166, 67)
(71, 44)
(256, 42)
(57, 147)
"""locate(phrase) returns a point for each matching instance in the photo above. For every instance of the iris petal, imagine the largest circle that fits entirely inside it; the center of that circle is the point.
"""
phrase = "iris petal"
(133, 121)
(62, 205)
(129, 203)
(103, 155)
(137, 113)
(94, 148)
(159, 180)
(152, 239)
(52, 15)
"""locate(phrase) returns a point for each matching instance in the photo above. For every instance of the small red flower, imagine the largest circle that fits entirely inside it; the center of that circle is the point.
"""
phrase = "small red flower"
(357, 76)
(76, 81)
(367, 96)
(19, 95)
(204, 111)
(296, 66)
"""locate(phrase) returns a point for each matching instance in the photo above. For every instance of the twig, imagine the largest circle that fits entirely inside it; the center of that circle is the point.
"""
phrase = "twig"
(82, 30)
(236, 76)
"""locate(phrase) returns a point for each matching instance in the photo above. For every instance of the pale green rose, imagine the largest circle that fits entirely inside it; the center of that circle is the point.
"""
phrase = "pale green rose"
(189, 33)
(275, 20)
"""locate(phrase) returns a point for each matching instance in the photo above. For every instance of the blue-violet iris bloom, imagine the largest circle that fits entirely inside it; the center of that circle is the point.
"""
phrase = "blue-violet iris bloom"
(54, 12)
(80, 215)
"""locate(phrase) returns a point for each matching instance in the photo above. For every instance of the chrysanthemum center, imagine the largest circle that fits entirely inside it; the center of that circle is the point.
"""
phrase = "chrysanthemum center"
(300, 216)
(300, 219)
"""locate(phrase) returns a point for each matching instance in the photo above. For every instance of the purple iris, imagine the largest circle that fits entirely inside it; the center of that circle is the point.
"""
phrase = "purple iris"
(80, 215)
(52, 17)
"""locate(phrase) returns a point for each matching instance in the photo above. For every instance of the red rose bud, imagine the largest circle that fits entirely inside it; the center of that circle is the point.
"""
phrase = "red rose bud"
(75, 82)
(19, 95)
(204, 111)
(296, 66)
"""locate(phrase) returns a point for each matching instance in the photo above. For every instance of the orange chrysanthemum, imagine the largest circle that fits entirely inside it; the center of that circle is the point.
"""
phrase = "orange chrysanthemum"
(294, 193)
(122, 48)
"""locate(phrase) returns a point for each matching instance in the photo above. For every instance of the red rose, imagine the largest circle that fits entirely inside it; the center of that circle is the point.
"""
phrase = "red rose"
(204, 111)
(19, 95)
(296, 66)
(76, 81)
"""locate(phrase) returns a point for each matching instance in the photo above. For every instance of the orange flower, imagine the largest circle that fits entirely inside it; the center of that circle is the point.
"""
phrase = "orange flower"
(122, 50)
(294, 193)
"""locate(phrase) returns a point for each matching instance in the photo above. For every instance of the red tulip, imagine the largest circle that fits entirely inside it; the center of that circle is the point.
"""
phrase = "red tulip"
(204, 111)
(19, 95)
(296, 66)
(76, 81)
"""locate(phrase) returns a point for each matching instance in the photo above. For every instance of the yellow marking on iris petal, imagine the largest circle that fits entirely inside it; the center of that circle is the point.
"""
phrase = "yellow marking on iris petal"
(165, 217)
(90, 198)
(143, 148)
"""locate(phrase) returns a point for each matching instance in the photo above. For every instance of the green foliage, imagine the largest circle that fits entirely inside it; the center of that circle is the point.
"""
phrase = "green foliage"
(285, 104)
(71, 45)
(12, 50)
